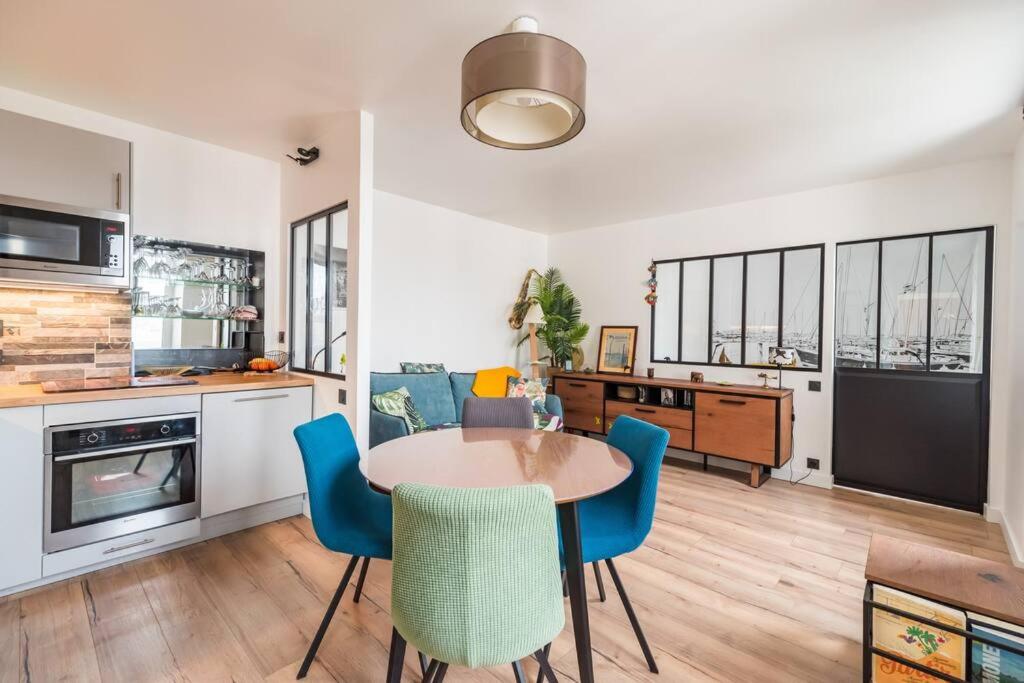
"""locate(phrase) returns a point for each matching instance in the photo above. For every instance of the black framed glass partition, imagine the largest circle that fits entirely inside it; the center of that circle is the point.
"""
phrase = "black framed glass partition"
(731, 309)
(318, 297)
(914, 303)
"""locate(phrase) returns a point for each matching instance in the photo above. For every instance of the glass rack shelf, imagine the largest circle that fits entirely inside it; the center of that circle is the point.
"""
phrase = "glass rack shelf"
(196, 317)
(204, 283)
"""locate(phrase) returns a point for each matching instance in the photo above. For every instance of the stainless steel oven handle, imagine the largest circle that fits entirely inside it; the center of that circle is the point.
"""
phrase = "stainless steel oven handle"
(141, 446)
(261, 398)
(119, 548)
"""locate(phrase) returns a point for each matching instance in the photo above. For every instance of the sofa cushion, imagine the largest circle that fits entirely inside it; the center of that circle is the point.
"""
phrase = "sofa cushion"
(533, 389)
(431, 392)
(419, 368)
(462, 388)
(400, 404)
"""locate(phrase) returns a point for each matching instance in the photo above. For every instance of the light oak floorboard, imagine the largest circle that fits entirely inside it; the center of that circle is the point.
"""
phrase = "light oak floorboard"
(733, 584)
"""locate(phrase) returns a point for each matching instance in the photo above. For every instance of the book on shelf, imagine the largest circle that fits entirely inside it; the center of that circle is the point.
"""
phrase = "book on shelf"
(936, 649)
(991, 664)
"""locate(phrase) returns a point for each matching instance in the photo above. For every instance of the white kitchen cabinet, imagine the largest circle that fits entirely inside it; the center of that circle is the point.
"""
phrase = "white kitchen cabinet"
(55, 163)
(249, 455)
(21, 495)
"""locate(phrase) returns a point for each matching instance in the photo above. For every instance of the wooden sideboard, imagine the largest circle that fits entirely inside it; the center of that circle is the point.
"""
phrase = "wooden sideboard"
(737, 421)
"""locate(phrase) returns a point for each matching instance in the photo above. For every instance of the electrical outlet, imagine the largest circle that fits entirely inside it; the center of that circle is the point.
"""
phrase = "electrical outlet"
(280, 337)
(813, 464)
(342, 396)
(813, 385)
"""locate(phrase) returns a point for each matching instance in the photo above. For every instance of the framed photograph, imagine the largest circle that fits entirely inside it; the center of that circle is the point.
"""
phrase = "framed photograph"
(617, 352)
(668, 397)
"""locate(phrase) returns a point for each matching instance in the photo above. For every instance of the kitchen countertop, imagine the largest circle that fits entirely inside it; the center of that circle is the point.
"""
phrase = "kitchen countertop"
(32, 394)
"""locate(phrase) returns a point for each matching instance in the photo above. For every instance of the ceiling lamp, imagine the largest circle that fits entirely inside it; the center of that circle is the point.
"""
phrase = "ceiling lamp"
(523, 89)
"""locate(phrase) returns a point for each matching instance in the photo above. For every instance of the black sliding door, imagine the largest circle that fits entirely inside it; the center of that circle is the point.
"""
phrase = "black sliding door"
(912, 366)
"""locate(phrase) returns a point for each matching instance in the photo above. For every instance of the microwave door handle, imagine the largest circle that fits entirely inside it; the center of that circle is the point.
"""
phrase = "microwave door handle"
(117, 196)
(140, 447)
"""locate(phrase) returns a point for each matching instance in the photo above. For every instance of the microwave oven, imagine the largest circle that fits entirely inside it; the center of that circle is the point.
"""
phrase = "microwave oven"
(60, 244)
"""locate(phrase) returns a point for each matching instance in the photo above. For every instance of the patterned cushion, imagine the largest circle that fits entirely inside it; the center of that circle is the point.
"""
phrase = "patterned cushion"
(443, 425)
(534, 389)
(399, 403)
(547, 422)
(421, 368)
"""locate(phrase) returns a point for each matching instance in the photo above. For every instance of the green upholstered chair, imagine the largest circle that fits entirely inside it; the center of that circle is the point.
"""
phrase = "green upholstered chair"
(475, 577)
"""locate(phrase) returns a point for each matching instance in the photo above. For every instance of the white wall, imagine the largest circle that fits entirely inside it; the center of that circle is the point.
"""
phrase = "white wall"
(344, 172)
(443, 284)
(607, 266)
(1013, 512)
(187, 189)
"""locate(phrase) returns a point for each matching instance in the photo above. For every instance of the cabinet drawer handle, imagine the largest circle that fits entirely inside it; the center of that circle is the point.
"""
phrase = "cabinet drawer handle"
(261, 398)
(117, 199)
(579, 385)
(652, 411)
(734, 401)
(119, 548)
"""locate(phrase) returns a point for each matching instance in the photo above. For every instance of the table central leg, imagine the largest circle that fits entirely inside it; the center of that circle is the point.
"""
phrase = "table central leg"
(569, 519)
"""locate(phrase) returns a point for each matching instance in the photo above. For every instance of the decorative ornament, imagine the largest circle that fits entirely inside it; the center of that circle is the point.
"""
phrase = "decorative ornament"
(652, 284)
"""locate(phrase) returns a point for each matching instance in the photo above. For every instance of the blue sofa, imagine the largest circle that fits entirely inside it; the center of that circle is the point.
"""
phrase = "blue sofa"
(437, 396)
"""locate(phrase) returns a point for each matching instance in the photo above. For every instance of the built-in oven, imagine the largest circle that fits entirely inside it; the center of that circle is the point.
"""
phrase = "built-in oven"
(45, 242)
(108, 479)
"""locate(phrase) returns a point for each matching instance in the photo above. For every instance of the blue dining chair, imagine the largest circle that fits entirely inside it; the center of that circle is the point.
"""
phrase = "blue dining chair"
(348, 516)
(618, 521)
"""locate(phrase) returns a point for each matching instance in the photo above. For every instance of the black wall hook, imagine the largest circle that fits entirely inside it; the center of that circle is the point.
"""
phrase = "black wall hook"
(306, 156)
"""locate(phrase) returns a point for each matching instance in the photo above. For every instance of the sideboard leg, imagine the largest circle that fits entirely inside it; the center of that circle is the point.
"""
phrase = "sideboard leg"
(705, 461)
(759, 474)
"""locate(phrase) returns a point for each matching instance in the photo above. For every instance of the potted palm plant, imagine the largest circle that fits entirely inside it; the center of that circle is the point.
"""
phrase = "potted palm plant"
(562, 332)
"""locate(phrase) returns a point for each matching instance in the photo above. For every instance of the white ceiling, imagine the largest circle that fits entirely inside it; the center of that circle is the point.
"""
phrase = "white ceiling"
(690, 103)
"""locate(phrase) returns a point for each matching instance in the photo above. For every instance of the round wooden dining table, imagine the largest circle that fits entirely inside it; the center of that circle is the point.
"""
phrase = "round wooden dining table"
(575, 467)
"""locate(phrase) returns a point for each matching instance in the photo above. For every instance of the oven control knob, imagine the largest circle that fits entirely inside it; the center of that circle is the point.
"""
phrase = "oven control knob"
(165, 429)
(93, 437)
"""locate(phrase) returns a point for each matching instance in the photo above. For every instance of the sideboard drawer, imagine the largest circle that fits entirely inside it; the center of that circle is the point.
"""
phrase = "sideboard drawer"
(678, 422)
(582, 403)
(740, 427)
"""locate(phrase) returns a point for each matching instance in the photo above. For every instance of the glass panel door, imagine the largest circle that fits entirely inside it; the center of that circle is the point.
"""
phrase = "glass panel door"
(857, 305)
(904, 325)
(666, 326)
(958, 302)
(727, 323)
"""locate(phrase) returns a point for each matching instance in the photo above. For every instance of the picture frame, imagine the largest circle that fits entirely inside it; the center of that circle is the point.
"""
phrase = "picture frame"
(617, 350)
(668, 396)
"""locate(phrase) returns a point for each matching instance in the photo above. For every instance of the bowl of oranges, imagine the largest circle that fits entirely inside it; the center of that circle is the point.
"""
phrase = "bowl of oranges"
(270, 361)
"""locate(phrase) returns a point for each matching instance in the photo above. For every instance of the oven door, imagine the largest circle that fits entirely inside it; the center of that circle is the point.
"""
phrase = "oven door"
(42, 241)
(101, 495)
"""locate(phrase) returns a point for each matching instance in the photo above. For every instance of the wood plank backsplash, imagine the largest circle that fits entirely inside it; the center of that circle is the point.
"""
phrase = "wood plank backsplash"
(55, 334)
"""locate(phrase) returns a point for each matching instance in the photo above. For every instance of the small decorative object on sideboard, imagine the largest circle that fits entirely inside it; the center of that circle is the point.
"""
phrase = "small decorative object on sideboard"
(764, 377)
(626, 392)
(617, 351)
(271, 361)
(697, 377)
(650, 373)
(668, 397)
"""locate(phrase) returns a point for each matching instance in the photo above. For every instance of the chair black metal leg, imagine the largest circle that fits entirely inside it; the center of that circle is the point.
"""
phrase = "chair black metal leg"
(632, 617)
(544, 652)
(569, 521)
(138, 465)
(328, 615)
(424, 664)
(441, 671)
(545, 665)
(600, 583)
(517, 669)
(396, 657)
(362, 578)
(429, 672)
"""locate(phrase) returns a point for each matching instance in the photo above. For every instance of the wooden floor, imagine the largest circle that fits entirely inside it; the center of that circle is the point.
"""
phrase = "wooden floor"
(733, 584)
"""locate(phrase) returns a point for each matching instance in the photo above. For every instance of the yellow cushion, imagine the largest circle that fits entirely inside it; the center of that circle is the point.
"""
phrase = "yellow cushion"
(493, 382)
